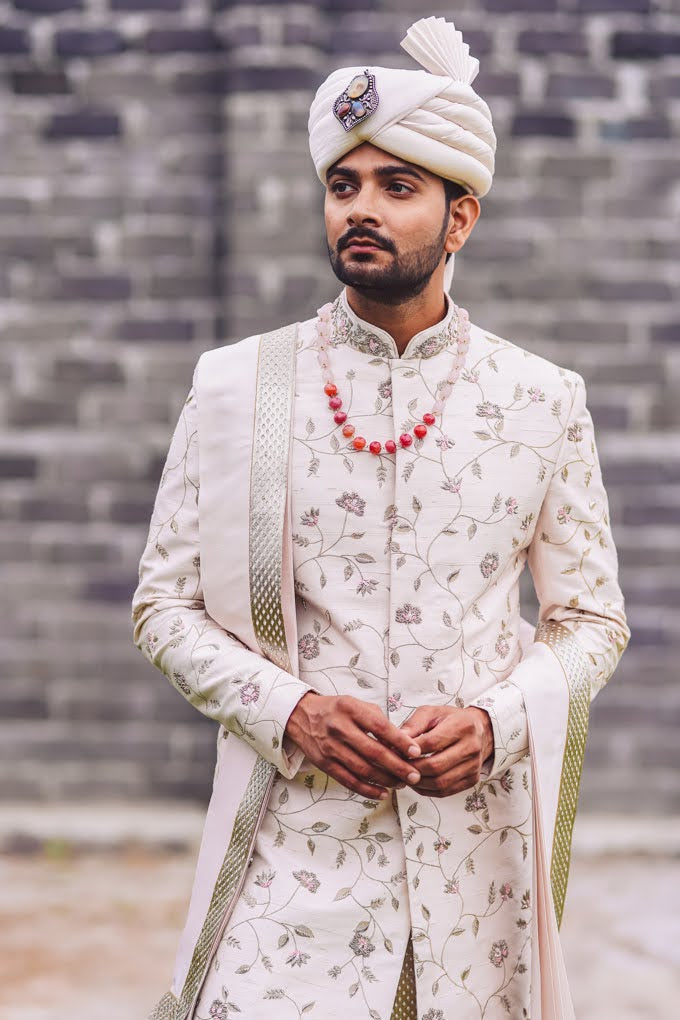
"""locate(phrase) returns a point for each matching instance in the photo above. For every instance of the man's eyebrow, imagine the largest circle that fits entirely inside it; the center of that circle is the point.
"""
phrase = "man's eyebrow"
(382, 171)
(343, 171)
(399, 168)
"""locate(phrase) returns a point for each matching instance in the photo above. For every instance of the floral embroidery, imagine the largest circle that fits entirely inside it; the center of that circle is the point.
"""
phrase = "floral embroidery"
(311, 518)
(265, 879)
(352, 503)
(307, 879)
(350, 329)
(249, 692)
(489, 564)
(408, 614)
(361, 945)
(475, 801)
(403, 598)
(308, 646)
(489, 410)
(563, 514)
(502, 647)
(297, 958)
(394, 702)
(499, 952)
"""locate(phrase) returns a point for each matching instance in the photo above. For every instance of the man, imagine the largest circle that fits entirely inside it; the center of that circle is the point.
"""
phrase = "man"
(334, 579)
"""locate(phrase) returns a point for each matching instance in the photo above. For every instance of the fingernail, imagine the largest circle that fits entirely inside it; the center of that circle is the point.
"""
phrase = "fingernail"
(413, 777)
(414, 750)
(382, 794)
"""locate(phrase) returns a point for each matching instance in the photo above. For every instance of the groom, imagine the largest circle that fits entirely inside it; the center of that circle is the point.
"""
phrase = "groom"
(332, 574)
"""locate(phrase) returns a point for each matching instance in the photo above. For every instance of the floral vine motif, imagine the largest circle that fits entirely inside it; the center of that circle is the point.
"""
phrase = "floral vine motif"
(499, 952)
(489, 564)
(307, 880)
(408, 613)
(352, 503)
(308, 646)
(361, 945)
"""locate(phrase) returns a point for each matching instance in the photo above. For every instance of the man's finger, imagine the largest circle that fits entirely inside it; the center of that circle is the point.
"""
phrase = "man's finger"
(376, 755)
(443, 761)
(446, 733)
(368, 769)
(375, 722)
(421, 720)
(343, 776)
(460, 778)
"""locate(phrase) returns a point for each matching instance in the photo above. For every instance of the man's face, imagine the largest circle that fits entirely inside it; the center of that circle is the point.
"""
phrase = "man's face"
(398, 211)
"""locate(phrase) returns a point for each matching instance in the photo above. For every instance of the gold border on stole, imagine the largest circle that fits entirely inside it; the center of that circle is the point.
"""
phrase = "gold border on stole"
(574, 662)
(268, 494)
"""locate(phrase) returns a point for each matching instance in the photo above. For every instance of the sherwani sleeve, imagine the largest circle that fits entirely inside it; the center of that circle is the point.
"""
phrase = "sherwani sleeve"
(573, 563)
(218, 674)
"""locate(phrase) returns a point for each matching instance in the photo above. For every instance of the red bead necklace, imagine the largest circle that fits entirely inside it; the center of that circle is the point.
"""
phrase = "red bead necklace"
(419, 431)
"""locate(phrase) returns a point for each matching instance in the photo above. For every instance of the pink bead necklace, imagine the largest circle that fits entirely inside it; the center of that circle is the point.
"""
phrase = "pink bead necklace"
(419, 431)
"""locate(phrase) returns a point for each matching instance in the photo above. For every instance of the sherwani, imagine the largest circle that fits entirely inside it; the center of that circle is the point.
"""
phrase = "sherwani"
(405, 571)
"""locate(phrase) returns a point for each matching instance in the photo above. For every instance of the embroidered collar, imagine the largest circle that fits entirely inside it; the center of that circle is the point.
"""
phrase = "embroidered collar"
(370, 339)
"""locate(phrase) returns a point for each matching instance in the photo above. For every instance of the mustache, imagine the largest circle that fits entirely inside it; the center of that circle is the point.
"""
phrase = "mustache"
(365, 232)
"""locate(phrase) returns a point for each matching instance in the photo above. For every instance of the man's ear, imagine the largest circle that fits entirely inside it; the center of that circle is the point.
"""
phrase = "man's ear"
(464, 214)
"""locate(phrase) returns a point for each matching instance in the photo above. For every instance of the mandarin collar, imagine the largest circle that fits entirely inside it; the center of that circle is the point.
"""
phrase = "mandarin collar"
(349, 328)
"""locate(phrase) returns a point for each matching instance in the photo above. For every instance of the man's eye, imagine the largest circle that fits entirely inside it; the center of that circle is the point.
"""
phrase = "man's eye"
(398, 184)
(336, 187)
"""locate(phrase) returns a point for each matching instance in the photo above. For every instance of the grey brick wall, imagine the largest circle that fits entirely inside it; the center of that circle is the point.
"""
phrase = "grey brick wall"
(157, 199)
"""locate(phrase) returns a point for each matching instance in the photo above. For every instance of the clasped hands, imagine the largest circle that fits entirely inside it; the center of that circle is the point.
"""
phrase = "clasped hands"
(439, 750)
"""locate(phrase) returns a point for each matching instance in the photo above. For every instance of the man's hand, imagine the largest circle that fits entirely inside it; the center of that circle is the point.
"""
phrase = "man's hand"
(333, 732)
(457, 740)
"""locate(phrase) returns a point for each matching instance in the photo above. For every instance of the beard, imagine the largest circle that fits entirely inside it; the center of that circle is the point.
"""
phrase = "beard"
(403, 278)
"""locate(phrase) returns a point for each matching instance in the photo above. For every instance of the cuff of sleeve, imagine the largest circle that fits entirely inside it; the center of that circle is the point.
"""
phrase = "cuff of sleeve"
(505, 706)
(266, 733)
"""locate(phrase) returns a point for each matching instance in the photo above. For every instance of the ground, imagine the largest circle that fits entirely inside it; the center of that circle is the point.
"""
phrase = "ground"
(92, 935)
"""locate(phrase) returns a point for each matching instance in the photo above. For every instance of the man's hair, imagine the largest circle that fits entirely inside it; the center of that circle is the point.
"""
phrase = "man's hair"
(452, 191)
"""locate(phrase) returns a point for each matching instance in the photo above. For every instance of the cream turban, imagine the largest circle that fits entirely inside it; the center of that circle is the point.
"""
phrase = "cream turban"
(433, 118)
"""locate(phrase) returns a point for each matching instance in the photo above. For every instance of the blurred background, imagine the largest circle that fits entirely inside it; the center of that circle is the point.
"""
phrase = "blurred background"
(157, 199)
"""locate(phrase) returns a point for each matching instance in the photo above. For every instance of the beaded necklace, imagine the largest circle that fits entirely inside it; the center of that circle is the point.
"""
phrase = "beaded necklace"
(419, 431)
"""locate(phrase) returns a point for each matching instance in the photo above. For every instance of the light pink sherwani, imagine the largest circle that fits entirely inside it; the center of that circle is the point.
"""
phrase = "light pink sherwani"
(397, 583)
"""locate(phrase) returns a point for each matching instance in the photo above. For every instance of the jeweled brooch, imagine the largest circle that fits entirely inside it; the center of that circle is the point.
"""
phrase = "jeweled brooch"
(358, 101)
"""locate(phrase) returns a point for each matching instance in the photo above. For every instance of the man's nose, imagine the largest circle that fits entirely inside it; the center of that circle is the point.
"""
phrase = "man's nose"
(364, 209)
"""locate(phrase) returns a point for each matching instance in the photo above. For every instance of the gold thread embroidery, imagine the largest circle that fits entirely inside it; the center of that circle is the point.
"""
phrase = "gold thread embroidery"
(575, 665)
(166, 1009)
(228, 879)
(405, 1002)
(268, 493)
(346, 330)
(268, 489)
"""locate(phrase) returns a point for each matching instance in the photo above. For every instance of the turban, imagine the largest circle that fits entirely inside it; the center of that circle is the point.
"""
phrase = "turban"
(433, 118)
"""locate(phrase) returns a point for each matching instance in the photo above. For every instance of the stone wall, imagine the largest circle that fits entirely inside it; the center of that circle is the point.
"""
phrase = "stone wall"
(157, 199)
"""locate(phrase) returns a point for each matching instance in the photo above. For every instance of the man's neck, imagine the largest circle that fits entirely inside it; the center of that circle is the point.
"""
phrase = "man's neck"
(401, 321)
